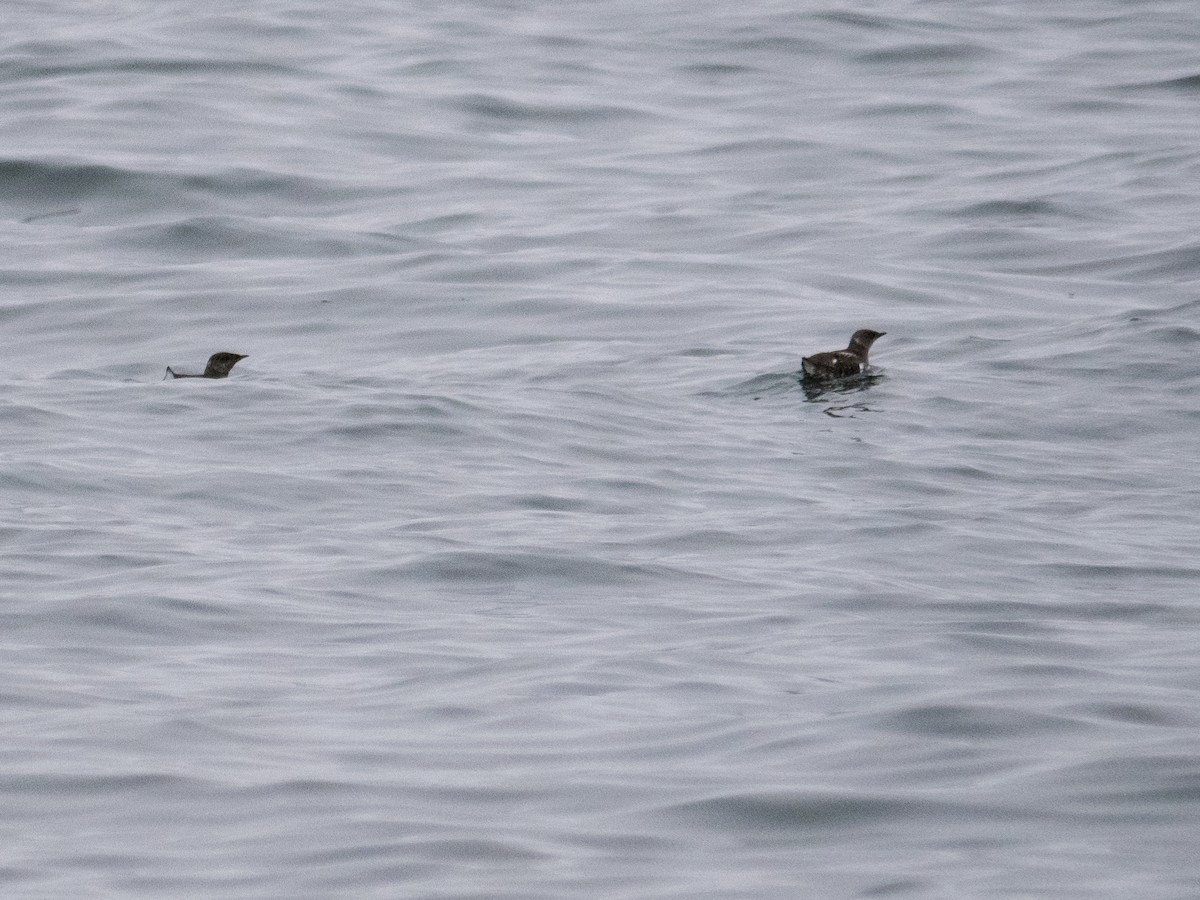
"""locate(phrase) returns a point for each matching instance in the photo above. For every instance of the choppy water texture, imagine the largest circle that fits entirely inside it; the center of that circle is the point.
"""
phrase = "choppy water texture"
(515, 562)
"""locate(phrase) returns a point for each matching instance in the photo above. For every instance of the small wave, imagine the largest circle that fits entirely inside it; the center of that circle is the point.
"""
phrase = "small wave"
(803, 811)
(1189, 84)
(1177, 265)
(1031, 210)
(977, 721)
(202, 236)
(507, 110)
(476, 566)
(28, 180)
(923, 54)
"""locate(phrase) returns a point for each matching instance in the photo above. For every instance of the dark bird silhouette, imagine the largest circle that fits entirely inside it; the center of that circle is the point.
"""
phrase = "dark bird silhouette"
(842, 363)
(218, 366)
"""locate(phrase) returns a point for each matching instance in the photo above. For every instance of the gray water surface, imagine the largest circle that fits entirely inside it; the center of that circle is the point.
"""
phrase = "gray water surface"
(515, 561)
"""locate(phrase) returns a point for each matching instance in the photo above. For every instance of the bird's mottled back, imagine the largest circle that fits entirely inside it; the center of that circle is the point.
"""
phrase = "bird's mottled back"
(842, 363)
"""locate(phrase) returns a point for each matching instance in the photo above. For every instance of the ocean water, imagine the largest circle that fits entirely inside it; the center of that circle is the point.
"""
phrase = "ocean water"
(515, 561)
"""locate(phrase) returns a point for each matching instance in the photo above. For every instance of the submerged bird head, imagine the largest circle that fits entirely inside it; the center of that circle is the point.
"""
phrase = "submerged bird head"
(219, 364)
(861, 340)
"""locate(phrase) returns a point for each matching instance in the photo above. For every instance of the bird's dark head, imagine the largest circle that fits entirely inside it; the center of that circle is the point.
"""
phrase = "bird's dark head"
(862, 339)
(219, 364)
